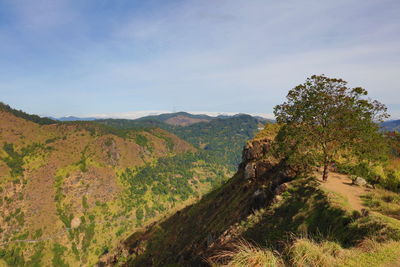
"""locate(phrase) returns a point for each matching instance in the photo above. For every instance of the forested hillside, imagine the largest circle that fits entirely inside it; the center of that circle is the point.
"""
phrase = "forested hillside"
(177, 118)
(69, 191)
(21, 114)
(223, 138)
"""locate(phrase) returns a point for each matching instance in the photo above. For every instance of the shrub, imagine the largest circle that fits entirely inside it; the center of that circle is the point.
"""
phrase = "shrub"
(139, 214)
(58, 253)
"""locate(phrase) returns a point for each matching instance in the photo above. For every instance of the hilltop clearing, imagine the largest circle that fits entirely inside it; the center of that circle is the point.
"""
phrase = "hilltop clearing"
(342, 185)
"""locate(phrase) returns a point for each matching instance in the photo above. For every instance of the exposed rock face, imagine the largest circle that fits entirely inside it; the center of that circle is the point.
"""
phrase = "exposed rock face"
(250, 170)
(256, 149)
(253, 159)
(111, 149)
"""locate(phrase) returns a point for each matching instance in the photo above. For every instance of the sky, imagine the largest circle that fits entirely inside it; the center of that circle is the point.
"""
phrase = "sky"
(121, 57)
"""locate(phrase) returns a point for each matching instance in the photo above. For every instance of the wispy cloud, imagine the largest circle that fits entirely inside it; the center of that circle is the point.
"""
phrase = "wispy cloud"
(41, 15)
(222, 56)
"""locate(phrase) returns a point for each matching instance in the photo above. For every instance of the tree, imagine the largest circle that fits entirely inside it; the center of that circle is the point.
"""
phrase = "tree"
(324, 118)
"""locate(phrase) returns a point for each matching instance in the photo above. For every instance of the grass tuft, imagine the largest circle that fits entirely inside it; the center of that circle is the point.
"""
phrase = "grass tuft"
(306, 252)
(244, 254)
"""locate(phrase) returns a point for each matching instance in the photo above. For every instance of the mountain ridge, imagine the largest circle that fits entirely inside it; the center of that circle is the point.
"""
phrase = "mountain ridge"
(279, 212)
(391, 125)
(61, 182)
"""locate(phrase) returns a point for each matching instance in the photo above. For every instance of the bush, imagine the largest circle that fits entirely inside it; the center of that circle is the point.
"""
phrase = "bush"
(13, 256)
(141, 140)
(388, 178)
(139, 214)
(58, 253)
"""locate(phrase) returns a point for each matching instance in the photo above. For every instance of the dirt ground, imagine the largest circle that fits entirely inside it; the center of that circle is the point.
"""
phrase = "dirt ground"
(341, 184)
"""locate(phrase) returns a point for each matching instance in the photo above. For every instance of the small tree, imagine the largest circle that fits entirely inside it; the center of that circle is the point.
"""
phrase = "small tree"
(323, 118)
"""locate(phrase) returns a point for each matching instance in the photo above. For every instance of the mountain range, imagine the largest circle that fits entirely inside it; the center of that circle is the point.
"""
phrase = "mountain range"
(392, 125)
(180, 190)
(70, 190)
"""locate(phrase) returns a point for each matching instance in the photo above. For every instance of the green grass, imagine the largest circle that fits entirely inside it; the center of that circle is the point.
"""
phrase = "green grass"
(339, 236)
(379, 255)
(306, 252)
(383, 201)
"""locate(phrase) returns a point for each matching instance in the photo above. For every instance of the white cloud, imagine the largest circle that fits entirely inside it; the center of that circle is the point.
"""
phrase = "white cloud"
(225, 55)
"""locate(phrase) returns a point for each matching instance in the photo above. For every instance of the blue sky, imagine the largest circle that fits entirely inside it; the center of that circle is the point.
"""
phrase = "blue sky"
(67, 57)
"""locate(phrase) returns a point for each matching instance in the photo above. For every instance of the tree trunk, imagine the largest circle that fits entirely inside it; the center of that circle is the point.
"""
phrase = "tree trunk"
(326, 171)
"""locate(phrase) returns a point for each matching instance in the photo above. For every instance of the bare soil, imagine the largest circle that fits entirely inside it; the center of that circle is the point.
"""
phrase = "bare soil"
(341, 184)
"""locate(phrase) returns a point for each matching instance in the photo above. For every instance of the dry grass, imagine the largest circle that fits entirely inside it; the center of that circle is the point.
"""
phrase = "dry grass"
(270, 131)
(306, 252)
(395, 164)
(244, 254)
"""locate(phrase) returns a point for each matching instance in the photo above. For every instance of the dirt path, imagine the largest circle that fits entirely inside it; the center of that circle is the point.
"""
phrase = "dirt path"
(341, 184)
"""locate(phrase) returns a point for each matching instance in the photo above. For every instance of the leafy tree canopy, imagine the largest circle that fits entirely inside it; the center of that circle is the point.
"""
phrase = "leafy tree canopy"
(324, 118)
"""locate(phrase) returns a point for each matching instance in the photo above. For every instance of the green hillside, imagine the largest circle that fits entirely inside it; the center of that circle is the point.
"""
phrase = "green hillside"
(223, 138)
(70, 191)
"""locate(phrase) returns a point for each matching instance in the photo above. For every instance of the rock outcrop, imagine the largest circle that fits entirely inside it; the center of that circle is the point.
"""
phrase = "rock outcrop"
(254, 162)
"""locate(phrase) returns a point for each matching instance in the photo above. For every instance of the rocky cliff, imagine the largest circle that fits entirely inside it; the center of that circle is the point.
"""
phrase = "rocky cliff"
(192, 234)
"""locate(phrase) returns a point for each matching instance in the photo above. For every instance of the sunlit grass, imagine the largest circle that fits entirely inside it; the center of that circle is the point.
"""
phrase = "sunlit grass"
(383, 201)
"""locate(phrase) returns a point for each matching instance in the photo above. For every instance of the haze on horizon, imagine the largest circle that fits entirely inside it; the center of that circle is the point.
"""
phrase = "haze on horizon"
(70, 57)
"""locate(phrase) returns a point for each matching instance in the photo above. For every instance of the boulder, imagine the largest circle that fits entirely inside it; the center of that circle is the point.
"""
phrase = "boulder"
(359, 181)
(250, 171)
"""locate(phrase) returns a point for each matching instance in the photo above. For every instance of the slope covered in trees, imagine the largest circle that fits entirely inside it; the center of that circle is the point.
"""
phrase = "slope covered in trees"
(26, 116)
(223, 138)
(69, 191)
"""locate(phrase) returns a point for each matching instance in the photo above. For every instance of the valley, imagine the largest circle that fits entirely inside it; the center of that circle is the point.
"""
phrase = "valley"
(70, 191)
